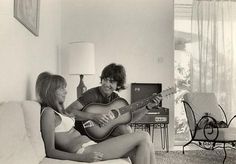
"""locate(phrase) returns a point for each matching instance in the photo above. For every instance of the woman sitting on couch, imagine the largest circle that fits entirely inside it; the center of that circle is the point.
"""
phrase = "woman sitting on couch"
(62, 141)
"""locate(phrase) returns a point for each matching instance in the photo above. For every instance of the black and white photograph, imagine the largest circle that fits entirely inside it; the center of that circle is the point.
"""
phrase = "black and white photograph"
(118, 81)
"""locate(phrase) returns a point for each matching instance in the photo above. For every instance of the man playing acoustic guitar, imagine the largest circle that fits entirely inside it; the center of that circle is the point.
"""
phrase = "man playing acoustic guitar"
(113, 79)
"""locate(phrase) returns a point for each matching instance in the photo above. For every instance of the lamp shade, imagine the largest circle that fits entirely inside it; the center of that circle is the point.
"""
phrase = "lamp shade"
(81, 58)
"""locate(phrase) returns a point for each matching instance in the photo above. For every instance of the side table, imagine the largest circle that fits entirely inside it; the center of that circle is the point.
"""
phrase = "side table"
(155, 119)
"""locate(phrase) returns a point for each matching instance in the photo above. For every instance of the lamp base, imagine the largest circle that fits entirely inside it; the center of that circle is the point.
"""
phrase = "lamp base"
(81, 87)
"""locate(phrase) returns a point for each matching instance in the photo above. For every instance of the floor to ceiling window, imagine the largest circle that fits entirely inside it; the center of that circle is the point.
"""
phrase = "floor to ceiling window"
(182, 29)
(205, 46)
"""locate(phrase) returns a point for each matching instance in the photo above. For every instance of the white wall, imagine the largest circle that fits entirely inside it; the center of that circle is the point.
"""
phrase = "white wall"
(135, 33)
(22, 55)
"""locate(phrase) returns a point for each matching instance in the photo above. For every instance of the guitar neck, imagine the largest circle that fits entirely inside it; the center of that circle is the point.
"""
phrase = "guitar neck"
(139, 104)
(136, 105)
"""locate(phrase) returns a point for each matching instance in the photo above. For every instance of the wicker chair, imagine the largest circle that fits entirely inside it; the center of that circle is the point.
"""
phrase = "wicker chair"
(203, 115)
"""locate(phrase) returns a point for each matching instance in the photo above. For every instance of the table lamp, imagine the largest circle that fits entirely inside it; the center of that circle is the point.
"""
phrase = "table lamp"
(81, 62)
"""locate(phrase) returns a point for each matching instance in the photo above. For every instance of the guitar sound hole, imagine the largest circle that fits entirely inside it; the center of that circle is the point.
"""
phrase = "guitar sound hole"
(115, 113)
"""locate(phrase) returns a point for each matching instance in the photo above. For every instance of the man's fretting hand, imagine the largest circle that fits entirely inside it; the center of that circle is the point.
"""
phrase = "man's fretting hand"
(155, 102)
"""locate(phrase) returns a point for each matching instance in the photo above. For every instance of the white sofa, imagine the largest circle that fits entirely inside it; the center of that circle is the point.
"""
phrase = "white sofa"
(20, 137)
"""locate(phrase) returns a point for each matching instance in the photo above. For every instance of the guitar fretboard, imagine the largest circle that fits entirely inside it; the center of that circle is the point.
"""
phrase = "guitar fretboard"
(139, 104)
(134, 106)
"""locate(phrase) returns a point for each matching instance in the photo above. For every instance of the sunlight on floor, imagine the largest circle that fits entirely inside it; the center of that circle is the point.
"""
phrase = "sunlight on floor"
(189, 147)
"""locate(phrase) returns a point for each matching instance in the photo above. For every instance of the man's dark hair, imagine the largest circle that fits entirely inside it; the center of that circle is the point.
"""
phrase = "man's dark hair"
(115, 72)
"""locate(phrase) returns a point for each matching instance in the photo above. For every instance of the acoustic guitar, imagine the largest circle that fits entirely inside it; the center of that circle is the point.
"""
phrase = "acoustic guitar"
(119, 111)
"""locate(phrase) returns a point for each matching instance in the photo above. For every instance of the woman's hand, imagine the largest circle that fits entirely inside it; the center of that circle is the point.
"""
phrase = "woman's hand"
(91, 157)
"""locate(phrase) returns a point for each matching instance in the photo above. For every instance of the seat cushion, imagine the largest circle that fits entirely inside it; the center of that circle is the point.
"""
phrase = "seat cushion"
(55, 161)
(15, 145)
(224, 135)
(31, 110)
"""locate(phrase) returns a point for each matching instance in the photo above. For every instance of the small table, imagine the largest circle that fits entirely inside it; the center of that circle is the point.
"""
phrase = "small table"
(155, 119)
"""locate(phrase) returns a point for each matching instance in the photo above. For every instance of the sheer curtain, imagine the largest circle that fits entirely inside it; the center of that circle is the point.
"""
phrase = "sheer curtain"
(213, 62)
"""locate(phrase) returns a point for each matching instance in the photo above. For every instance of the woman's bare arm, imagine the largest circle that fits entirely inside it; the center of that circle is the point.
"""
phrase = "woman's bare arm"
(75, 110)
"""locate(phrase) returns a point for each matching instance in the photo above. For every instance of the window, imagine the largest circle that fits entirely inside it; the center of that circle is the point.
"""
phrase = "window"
(182, 56)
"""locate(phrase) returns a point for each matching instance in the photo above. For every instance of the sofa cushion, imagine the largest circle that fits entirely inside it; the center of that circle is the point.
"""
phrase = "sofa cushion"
(31, 110)
(15, 145)
(114, 161)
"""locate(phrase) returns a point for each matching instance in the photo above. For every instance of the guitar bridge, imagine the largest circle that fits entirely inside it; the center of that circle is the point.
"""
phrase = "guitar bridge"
(88, 124)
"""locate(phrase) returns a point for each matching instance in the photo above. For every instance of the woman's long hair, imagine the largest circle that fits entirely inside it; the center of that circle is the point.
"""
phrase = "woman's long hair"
(46, 86)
